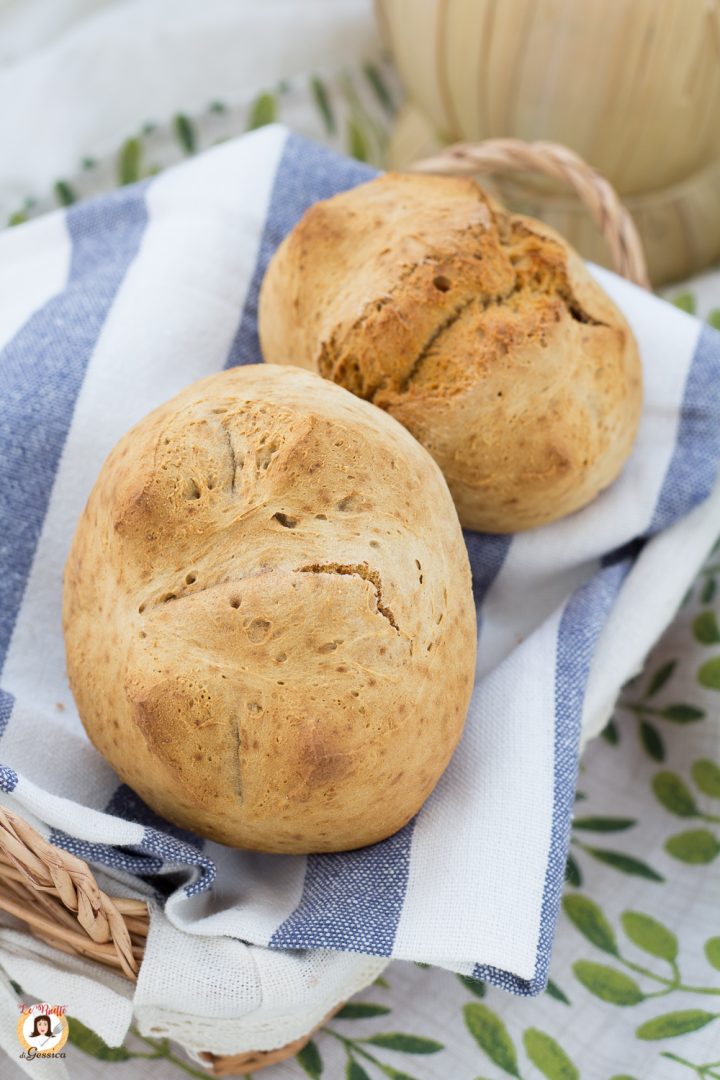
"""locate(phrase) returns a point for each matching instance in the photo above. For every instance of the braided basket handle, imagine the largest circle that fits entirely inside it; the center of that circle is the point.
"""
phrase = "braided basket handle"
(74, 900)
(560, 163)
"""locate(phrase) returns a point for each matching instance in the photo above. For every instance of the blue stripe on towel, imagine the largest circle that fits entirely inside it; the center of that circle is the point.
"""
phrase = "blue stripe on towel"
(486, 553)
(351, 901)
(130, 859)
(306, 173)
(126, 804)
(41, 372)
(689, 479)
(6, 707)
(8, 779)
(156, 853)
(693, 468)
(580, 626)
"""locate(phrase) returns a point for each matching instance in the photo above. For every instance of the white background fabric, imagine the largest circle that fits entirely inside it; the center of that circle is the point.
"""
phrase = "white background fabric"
(146, 61)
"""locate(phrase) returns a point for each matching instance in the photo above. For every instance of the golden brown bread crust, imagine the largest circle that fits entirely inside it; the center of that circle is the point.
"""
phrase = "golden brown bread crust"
(480, 330)
(268, 614)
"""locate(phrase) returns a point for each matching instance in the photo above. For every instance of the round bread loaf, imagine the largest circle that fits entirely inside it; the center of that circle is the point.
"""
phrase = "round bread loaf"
(268, 614)
(479, 330)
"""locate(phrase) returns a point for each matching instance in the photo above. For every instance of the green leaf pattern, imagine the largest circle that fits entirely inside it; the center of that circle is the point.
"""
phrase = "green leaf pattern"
(90, 1043)
(608, 984)
(585, 914)
(361, 1010)
(406, 1044)
(696, 847)
(491, 1035)
(650, 935)
(671, 791)
(673, 1024)
(548, 1056)
(264, 110)
(323, 103)
(709, 673)
(310, 1061)
(712, 952)
(185, 133)
(351, 109)
(355, 1071)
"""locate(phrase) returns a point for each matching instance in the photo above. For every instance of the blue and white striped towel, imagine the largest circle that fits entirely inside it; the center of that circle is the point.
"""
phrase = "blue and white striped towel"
(109, 308)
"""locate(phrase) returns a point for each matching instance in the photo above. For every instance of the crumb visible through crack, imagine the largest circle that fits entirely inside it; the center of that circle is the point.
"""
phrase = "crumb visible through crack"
(361, 570)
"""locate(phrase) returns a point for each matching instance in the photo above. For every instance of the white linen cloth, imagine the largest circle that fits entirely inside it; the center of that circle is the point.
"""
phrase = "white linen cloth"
(113, 306)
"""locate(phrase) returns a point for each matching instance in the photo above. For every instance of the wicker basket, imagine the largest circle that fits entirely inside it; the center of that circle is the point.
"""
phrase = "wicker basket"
(55, 893)
(633, 86)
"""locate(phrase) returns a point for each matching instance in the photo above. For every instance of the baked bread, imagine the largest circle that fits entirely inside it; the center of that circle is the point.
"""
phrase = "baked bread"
(268, 614)
(479, 330)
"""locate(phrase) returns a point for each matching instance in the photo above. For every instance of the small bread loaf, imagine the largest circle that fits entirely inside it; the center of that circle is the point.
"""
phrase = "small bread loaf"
(268, 614)
(479, 330)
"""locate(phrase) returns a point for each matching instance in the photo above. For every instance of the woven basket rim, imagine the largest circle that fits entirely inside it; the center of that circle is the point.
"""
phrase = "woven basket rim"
(558, 162)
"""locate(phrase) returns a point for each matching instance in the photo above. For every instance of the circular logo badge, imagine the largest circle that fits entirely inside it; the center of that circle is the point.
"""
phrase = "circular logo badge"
(41, 1031)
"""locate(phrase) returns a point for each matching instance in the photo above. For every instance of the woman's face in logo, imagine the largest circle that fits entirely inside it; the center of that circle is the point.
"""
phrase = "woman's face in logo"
(42, 1033)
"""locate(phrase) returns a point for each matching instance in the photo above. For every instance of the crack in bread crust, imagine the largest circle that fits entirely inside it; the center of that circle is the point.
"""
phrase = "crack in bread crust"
(434, 337)
(538, 267)
(361, 570)
(233, 460)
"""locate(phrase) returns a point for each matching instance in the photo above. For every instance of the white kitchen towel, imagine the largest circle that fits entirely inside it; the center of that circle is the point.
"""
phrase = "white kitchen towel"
(108, 309)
